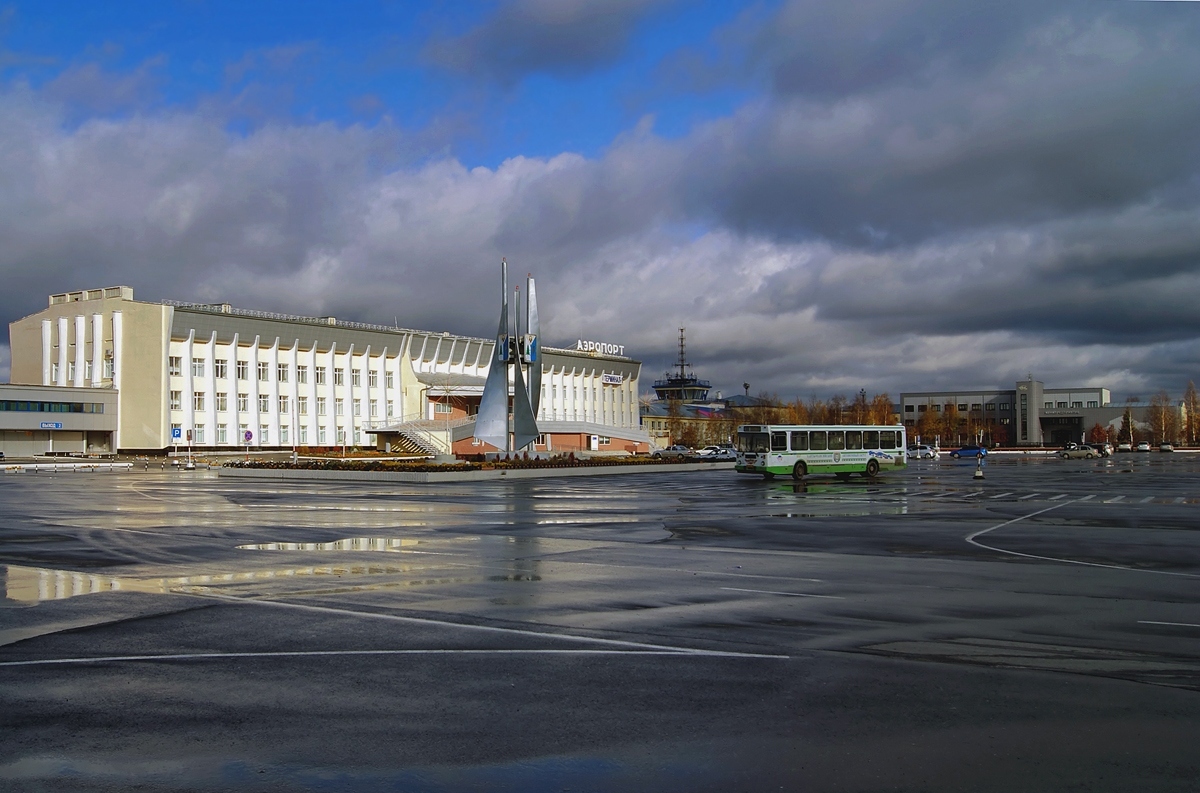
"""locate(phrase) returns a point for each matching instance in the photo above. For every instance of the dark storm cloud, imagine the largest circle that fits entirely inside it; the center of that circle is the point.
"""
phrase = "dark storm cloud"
(565, 37)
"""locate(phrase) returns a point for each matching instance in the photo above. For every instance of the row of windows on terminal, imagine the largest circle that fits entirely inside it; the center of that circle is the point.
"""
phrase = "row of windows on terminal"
(282, 373)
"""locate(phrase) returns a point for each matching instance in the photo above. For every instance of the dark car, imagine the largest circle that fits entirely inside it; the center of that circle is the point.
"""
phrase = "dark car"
(969, 451)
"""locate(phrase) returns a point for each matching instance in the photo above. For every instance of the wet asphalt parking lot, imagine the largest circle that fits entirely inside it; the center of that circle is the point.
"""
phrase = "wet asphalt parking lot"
(1035, 631)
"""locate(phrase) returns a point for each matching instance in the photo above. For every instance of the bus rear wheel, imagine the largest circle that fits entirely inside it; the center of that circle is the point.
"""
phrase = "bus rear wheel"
(872, 468)
(799, 470)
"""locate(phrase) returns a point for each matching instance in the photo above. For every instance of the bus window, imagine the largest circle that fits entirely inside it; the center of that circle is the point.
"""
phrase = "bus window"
(752, 442)
(871, 439)
(854, 439)
(816, 441)
(887, 439)
(779, 441)
(799, 441)
(837, 440)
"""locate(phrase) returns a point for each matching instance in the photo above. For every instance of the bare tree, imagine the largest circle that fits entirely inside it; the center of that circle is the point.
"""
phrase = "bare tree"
(1191, 404)
(882, 411)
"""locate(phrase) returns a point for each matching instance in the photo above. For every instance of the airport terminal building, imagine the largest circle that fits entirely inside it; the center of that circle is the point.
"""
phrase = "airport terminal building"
(229, 378)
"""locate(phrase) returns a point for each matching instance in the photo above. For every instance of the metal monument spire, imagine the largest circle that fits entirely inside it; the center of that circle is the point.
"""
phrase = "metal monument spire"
(516, 350)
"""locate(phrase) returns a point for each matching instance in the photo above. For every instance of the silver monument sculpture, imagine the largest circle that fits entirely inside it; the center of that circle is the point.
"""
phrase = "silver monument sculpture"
(514, 351)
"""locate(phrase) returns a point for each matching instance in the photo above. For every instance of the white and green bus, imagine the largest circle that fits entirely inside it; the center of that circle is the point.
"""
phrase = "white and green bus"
(840, 449)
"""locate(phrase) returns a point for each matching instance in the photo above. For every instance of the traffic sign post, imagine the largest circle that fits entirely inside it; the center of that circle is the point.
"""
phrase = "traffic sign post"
(248, 435)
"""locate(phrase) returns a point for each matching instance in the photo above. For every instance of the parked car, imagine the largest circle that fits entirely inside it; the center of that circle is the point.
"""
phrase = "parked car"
(1166, 447)
(1143, 447)
(921, 452)
(969, 451)
(717, 453)
(1124, 447)
(1, 455)
(672, 451)
(1078, 452)
(1101, 449)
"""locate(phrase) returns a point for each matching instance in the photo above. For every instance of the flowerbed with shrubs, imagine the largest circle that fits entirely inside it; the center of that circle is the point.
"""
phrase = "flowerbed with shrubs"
(515, 461)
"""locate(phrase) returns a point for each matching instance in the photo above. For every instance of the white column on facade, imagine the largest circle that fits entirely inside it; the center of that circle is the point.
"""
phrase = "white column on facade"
(384, 394)
(63, 340)
(118, 365)
(210, 390)
(365, 396)
(235, 427)
(80, 351)
(47, 344)
(97, 350)
(331, 398)
(350, 392)
(293, 357)
(311, 388)
(253, 417)
(273, 389)
(189, 415)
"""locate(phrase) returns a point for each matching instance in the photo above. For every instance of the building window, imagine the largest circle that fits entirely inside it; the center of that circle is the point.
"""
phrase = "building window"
(1093, 404)
(198, 400)
(283, 433)
(1004, 406)
(283, 407)
(990, 406)
(387, 380)
(321, 435)
(175, 365)
(922, 408)
(341, 435)
(264, 435)
(303, 435)
(339, 376)
(199, 433)
(1006, 420)
(372, 378)
(222, 401)
(357, 436)
(339, 407)
(374, 408)
(320, 406)
(909, 408)
(264, 371)
(87, 370)
(1076, 404)
(264, 403)
(176, 400)
(390, 408)
(442, 407)
(976, 406)
(197, 367)
(962, 407)
(1062, 404)
(358, 407)
(302, 405)
(936, 408)
(222, 433)
(71, 371)
(220, 370)
(243, 403)
(302, 374)
(242, 430)
(283, 372)
(320, 375)
(355, 378)
(108, 370)
(243, 370)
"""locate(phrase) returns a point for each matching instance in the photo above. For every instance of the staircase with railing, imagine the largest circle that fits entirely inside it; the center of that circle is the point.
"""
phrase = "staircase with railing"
(425, 437)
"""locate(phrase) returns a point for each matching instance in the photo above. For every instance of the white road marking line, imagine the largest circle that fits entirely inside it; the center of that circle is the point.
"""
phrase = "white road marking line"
(1031, 495)
(972, 495)
(1000, 495)
(1146, 500)
(1059, 496)
(1172, 624)
(971, 539)
(1179, 500)
(1114, 499)
(329, 653)
(789, 594)
(1088, 498)
(568, 637)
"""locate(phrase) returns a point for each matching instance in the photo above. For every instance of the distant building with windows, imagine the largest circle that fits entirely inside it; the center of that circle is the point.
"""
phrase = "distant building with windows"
(1027, 415)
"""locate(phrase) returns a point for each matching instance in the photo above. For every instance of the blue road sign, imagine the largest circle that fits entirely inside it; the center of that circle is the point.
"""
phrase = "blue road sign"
(176, 433)
(52, 425)
(249, 436)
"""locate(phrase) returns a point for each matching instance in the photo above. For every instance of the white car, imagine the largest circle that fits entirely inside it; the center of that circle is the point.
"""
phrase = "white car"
(921, 452)
(717, 454)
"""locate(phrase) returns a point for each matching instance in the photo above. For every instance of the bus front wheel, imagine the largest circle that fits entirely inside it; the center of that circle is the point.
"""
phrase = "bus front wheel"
(799, 470)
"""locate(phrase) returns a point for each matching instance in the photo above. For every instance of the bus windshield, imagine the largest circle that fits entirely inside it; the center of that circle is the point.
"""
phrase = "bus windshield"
(753, 442)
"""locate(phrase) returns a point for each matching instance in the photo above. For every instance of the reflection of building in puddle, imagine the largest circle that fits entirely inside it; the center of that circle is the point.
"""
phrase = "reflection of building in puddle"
(392, 544)
(36, 585)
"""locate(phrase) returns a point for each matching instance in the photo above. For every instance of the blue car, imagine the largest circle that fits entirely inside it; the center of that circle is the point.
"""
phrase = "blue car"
(969, 451)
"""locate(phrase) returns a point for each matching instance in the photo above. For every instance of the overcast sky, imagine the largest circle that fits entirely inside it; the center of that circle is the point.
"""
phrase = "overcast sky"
(828, 195)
